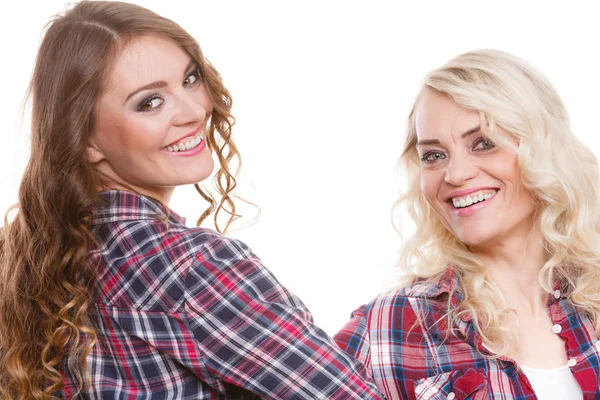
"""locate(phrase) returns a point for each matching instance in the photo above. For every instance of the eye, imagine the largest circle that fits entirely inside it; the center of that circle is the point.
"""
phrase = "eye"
(482, 144)
(192, 78)
(150, 103)
(432, 156)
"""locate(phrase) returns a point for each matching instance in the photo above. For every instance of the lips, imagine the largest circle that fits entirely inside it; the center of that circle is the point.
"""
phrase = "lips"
(466, 192)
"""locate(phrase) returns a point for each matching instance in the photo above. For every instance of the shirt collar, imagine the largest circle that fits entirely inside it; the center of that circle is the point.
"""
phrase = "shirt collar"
(446, 285)
(442, 285)
(121, 205)
(563, 286)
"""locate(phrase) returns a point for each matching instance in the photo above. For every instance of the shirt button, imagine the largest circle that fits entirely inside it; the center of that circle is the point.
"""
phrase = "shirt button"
(557, 294)
(556, 328)
(571, 362)
(451, 396)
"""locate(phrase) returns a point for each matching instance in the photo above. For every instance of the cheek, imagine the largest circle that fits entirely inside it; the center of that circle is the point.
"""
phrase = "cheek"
(507, 170)
(133, 133)
(141, 133)
(110, 132)
(203, 99)
(503, 164)
(520, 192)
(429, 185)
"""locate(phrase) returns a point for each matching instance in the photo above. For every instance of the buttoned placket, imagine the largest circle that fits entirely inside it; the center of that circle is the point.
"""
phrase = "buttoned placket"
(561, 313)
(559, 305)
(554, 308)
(474, 339)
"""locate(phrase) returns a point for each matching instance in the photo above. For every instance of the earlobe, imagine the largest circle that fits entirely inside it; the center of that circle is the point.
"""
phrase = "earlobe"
(94, 154)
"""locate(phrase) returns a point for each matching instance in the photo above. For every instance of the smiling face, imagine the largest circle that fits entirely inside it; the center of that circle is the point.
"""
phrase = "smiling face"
(151, 120)
(474, 187)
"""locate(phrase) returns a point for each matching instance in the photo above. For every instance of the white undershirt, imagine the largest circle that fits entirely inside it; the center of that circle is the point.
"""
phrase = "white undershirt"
(553, 383)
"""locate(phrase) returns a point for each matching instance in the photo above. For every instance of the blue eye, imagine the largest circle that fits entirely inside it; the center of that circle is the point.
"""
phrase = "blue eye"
(192, 78)
(432, 157)
(150, 103)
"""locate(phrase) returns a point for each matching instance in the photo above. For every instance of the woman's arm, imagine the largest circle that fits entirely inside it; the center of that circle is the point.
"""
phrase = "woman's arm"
(353, 338)
(254, 334)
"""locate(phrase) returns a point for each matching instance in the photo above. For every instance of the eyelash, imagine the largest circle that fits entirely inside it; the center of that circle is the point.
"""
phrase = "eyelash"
(487, 142)
(425, 159)
(195, 73)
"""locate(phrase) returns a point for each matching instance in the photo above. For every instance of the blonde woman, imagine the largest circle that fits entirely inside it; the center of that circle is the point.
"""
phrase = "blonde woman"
(105, 293)
(503, 271)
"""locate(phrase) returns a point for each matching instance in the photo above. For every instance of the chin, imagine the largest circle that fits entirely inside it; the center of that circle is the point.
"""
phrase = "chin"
(474, 239)
(199, 175)
(194, 180)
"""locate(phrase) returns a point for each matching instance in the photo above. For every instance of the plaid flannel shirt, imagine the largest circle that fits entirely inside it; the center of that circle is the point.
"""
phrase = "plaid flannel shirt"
(403, 338)
(186, 313)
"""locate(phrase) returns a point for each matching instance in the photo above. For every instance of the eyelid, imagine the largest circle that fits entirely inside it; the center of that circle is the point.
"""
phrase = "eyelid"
(482, 139)
(194, 72)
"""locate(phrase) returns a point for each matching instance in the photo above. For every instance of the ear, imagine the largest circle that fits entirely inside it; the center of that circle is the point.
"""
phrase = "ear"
(94, 153)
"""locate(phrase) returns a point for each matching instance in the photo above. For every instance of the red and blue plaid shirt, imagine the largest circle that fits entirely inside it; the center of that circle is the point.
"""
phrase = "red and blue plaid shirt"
(402, 338)
(186, 313)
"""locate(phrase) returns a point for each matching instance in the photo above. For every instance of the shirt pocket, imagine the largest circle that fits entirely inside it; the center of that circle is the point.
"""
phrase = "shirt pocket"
(454, 385)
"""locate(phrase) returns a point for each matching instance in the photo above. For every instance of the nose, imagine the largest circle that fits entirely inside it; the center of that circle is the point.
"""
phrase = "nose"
(190, 108)
(460, 169)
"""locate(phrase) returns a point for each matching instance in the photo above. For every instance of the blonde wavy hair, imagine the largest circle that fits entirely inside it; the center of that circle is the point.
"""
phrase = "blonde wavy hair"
(560, 172)
(46, 280)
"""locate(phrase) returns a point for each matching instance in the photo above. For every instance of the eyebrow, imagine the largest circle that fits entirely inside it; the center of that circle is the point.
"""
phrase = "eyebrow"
(159, 84)
(464, 135)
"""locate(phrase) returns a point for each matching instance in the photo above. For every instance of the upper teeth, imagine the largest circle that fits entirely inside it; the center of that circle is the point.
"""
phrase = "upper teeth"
(185, 144)
(471, 199)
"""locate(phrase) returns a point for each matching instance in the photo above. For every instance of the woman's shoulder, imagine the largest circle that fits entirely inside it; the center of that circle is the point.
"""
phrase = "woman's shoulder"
(407, 304)
(213, 245)
(392, 323)
(420, 291)
(226, 271)
(220, 258)
(120, 215)
(396, 307)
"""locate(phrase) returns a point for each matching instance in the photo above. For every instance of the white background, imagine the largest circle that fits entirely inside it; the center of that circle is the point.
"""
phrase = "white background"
(321, 92)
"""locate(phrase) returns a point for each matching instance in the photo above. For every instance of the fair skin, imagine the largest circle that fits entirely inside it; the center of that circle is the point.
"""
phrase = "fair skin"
(458, 166)
(151, 121)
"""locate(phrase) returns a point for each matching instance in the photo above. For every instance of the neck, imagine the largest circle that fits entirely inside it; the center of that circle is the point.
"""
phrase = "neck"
(110, 180)
(513, 265)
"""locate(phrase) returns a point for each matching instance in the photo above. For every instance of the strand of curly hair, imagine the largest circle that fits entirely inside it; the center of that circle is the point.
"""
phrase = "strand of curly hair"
(47, 282)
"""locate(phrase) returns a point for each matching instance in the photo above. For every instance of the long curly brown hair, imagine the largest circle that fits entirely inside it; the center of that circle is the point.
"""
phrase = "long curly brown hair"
(46, 280)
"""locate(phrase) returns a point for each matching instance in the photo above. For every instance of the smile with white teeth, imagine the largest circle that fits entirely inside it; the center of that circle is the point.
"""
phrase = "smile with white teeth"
(185, 144)
(461, 202)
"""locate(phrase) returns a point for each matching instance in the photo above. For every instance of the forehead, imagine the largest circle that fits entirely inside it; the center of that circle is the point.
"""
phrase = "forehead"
(144, 60)
(437, 115)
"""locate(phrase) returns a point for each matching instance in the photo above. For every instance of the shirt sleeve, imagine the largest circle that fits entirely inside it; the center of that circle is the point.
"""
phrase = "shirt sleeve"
(387, 337)
(252, 333)
(353, 338)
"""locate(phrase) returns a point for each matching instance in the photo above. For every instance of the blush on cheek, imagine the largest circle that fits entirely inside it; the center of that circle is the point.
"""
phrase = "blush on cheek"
(137, 130)
(111, 127)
